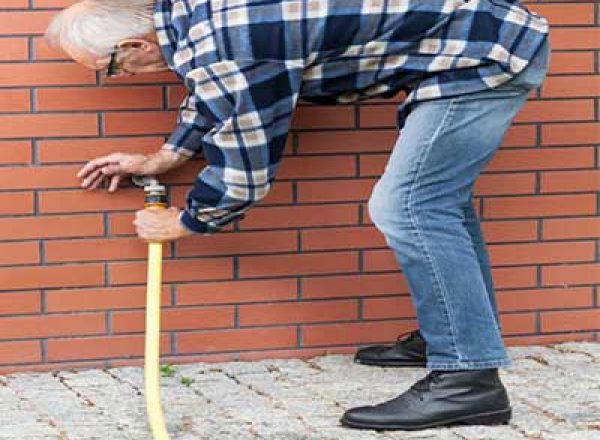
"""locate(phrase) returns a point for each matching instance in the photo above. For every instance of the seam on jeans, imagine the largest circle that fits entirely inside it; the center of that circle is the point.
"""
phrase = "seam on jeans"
(443, 299)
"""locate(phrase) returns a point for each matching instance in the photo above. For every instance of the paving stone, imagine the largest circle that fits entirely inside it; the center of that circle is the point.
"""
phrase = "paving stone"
(553, 390)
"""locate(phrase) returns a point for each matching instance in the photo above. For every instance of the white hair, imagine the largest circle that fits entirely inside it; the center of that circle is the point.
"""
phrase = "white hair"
(97, 26)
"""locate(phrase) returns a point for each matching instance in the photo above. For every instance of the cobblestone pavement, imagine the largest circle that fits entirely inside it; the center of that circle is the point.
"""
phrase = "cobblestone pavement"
(554, 391)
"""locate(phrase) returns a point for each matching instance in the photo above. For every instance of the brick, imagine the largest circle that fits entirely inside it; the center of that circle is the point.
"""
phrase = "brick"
(571, 62)
(90, 201)
(127, 123)
(236, 340)
(39, 177)
(379, 260)
(578, 14)
(175, 96)
(51, 325)
(13, 49)
(21, 352)
(16, 203)
(298, 312)
(563, 110)
(19, 253)
(507, 231)
(15, 152)
(173, 270)
(58, 251)
(298, 216)
(19, 228)
(342, 238)
(575, 38)
(33, 277)
(354, 285)
(27, 126)
(559, 229)
(571, 274)
(519, 136)
(540, 253)
(501, 184)
(14, 101)
(388, 308)
(539, 299)
(80, 150)
(315, 167)
(45, 74)
(335, 190)
(238, 243)
(539, 206)
(572, 320)
(105, 98)
(541, 159)
(514, 277)
(346, 141)
(42, 52)
(101, 347)
(570, 181)
(571, 86)
(16, 303)
(378, 116)
(570, 134)
(53, 3)
(236, 292)
(355, 333)
(323, 117)
(24, 22)
(106, 298)
(373, 164)
(515, 323)
(17, 4)
(297, 264)
(175, 319)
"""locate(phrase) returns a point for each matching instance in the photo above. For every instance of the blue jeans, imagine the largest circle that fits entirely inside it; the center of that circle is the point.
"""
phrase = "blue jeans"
(423, 206)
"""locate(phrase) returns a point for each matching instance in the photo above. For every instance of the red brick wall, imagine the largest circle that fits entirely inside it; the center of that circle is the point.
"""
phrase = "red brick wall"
(306, 273)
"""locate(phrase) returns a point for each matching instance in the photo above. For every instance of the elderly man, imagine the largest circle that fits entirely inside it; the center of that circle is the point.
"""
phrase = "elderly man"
(467, 67)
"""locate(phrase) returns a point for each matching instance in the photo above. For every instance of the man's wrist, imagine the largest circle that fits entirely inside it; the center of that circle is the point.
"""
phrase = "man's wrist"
(164, 160)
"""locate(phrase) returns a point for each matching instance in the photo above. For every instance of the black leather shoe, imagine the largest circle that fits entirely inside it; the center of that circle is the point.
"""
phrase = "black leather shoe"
(407, 352)
(442, 398)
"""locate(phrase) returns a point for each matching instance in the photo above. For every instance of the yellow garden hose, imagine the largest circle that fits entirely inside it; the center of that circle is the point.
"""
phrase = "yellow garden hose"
(155, 199)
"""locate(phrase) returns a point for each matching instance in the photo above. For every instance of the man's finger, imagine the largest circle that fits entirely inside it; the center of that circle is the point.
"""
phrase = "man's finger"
(90, 178)
(97, 163)
(114, 183)
(99, 179)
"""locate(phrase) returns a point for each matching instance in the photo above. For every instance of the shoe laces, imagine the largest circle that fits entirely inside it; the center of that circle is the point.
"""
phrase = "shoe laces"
(424, 384)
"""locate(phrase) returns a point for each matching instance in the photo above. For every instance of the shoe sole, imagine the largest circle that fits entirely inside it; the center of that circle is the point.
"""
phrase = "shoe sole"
(488, 418)
(391, 363)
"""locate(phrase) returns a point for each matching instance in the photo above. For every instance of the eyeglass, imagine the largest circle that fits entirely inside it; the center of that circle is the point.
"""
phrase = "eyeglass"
(113, 68)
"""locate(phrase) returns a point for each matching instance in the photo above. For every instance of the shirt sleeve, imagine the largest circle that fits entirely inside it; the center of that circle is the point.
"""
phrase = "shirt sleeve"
(246, 109)
(186, 139)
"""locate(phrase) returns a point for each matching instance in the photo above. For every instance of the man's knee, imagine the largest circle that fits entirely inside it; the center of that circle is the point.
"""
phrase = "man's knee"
(387, 209)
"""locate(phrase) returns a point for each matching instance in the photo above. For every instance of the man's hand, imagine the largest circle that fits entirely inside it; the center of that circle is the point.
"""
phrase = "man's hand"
(117, 166)
(160, 225)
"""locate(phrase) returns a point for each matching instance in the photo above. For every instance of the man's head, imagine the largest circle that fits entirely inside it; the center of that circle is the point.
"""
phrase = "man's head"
(92, 30)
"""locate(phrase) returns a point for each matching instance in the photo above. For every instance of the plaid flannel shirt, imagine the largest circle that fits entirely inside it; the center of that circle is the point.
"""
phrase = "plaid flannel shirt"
(246, 63)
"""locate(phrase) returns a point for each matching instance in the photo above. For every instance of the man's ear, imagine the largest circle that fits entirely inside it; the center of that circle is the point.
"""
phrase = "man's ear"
(138, 43)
